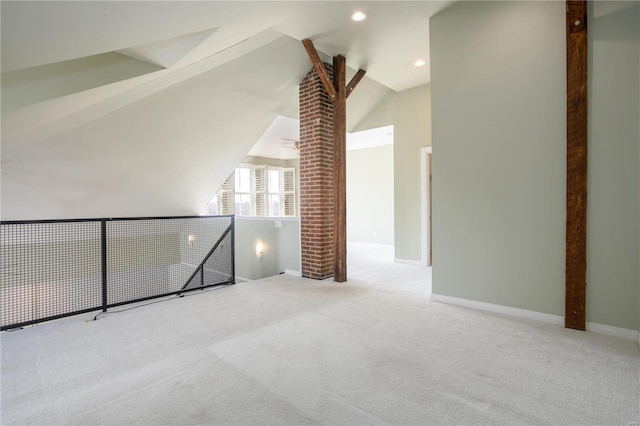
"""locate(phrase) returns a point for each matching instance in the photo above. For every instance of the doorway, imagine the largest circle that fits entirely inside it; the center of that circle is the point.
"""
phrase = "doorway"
(426, 162)
(370, 186)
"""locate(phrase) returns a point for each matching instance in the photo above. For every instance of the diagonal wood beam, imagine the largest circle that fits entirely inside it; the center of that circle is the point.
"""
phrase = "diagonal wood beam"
(354, 81)
(319, 67)
(577, 120)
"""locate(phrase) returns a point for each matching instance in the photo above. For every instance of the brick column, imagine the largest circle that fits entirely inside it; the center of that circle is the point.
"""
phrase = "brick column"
(316, 177)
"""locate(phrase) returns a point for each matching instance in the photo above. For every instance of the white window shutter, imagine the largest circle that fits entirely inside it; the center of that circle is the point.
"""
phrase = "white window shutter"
(260, 190)
(289, 191)
(227, 199)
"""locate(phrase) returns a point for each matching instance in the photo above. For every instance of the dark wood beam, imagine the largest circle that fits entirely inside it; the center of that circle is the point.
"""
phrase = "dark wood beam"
(576, 219)
(339, 169)
(354, 81)
(319, 67)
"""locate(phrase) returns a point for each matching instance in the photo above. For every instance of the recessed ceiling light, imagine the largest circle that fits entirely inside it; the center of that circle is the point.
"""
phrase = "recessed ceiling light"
(420, 63)
(359, 16)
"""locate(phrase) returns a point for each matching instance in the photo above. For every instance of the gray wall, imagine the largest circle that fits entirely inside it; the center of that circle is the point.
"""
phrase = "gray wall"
(612, 216)
(409, 112)
(370, 195)
(499, 153)
(281, 246)
(499, 158)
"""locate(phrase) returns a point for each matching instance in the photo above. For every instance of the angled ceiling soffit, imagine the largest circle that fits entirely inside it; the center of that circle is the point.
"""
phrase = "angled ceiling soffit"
(79, 113)
(33, 85)
(166, 53)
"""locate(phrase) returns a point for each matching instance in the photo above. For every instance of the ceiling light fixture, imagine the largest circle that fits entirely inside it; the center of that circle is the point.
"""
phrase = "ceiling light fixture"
(359, 16)
(420, 63)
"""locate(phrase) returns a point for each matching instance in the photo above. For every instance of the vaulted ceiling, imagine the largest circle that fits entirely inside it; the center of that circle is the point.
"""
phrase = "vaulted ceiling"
(143, 108)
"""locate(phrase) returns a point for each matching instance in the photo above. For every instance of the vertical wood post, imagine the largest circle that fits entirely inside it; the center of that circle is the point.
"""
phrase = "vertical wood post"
(576, 220)
(339, 169)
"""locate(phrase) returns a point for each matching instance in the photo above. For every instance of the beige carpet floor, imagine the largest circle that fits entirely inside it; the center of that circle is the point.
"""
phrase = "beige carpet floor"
(292, 351)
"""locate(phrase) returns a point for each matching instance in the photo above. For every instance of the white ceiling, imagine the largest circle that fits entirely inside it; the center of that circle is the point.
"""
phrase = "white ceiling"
(144, 108)
(371, 138)
(386, 44)
(279, 140)
(282, 136)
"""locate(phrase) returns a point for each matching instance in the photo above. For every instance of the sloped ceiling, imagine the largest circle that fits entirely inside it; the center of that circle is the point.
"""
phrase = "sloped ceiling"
(144, 108)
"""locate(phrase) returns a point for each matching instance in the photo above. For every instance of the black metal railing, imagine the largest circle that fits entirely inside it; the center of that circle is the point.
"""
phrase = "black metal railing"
(51, 269)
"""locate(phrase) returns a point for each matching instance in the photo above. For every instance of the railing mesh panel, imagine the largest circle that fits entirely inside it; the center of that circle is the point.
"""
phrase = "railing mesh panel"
(147, 258)
(217, 268)
(49, 269)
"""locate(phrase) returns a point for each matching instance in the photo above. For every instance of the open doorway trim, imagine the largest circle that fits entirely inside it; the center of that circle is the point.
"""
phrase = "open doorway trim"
(425, 195)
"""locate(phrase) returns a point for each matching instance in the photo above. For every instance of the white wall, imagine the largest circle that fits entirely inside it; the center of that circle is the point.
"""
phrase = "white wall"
(163, 154)
(281, 246)
(498, 112)
(370, 195)
(409, 111)
(499, 133)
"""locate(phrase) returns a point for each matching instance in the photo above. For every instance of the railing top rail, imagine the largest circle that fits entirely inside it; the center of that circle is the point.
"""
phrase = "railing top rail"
(106, 219)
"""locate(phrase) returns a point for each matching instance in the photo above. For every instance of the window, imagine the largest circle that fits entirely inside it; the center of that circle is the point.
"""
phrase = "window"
(274, 192)
(222, 202)
(256, 191)
(242, 191)
(226, 196)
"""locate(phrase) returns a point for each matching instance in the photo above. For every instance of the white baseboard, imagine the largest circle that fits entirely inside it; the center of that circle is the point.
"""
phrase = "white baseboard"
(242, 279)
(379, 245)
(410, 262)
(293, 273)
(608, 330)
(499, 309)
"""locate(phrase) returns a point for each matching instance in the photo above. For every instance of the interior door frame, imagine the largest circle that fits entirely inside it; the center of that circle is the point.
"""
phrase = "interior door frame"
(425, 199)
